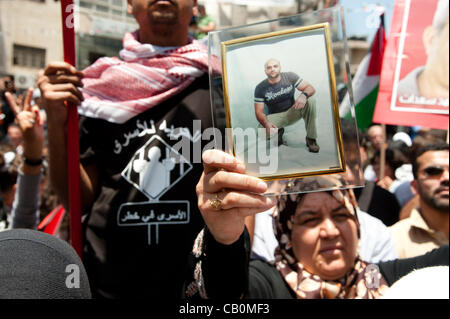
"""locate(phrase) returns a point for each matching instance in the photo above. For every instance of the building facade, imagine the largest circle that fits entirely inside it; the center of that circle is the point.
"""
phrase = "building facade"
(31, 31)
(31, 34)
(30, 37)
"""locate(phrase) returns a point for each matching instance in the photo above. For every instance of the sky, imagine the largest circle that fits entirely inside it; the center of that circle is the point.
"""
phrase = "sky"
(361, 18)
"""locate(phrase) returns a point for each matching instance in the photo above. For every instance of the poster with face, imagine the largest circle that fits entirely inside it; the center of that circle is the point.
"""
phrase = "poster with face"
(422, 66)
(414, 78)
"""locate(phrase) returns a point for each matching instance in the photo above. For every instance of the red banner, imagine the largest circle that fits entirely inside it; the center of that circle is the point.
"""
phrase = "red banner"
(414, 79)
(73, 150)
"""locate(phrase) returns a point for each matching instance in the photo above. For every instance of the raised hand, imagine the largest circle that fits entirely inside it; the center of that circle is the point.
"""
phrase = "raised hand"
(31, 124)
(59, 83)
(226, 196)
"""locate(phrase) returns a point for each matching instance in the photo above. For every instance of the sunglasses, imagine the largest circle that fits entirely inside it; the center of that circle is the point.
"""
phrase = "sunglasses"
(432, 171)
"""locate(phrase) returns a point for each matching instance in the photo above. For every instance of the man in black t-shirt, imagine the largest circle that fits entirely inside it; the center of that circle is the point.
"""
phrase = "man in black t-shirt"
(141, 123)
(277, 92)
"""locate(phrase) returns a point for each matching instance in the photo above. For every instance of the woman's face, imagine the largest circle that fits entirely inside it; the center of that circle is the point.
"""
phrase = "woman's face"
(324, 236)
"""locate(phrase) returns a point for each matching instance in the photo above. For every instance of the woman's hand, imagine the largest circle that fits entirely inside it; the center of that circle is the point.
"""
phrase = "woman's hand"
(226, 196)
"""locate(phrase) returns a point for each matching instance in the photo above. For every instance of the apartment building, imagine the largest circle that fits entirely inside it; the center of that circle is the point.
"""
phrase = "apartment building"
(31, 31)
(31, 34)
(30, 37)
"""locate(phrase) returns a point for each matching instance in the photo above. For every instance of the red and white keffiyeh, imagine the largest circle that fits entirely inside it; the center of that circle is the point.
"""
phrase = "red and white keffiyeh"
(119, 89)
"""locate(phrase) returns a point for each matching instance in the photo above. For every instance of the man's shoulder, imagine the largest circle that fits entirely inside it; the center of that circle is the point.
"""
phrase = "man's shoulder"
(262, 85)
(401, 227)
(289, 74)
(209, 18)
(290, 77)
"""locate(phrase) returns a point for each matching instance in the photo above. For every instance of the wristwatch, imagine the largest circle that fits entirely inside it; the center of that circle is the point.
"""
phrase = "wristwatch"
(34, 162)
(306, 94)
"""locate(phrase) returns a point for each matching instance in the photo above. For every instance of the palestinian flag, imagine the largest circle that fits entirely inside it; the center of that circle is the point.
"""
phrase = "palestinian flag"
(366, 81)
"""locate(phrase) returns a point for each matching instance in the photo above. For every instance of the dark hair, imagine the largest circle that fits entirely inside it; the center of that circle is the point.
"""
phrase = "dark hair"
(402, 147)
(394, 157)
(434, 147)
(8, 173)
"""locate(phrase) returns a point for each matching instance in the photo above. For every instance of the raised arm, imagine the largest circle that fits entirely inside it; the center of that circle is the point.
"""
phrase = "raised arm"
(224, 179)
(25, 210)
(59, 83)
(226, 196)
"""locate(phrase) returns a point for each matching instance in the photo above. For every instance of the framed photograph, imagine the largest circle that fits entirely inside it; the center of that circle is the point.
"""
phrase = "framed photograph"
(281, 104)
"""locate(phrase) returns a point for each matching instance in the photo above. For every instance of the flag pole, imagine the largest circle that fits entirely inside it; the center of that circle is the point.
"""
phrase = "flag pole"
(73, 151)
(383, 152)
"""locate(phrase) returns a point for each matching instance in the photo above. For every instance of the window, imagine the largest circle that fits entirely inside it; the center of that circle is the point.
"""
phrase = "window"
(118, 3)
(117, 12)
(100, 8)
(84, 4)
(28, 56)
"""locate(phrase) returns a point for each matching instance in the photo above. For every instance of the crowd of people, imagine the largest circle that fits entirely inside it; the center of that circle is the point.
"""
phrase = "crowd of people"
(173, 227)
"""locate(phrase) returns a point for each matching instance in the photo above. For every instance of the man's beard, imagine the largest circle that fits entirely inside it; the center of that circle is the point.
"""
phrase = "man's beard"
(162, 15)
(163, 18)
(273, 77)
(163, 23)
(436, 202)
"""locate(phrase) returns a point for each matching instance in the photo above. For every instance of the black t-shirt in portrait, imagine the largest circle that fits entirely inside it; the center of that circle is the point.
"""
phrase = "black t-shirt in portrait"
(143, 223)
(278, 97)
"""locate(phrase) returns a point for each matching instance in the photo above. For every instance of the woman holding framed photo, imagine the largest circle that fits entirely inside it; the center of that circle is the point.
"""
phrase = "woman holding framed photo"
(318, 235)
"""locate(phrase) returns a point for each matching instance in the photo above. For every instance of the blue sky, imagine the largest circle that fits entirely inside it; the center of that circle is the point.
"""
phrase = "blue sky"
(361, 18)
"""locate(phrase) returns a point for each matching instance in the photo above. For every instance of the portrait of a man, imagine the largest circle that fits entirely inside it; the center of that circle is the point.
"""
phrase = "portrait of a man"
(277, 92)
(281, 103)
(427, 61)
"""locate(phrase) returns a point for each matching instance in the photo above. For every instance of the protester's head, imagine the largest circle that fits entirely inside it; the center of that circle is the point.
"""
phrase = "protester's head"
(9, 167)
(404, 137)
(435, 39)
(355, 153)
(425, 137)
(403, 148)
(35, 265)
(15, 135)
(7, 83)
(319, 230)
(162, 22)
(431, 180)
(376, 136)
(272, 68)
(201, 10)
(394, 158)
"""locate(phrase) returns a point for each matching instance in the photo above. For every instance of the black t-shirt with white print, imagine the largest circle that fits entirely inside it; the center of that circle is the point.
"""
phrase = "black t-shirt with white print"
(143, 223)
(278, 97)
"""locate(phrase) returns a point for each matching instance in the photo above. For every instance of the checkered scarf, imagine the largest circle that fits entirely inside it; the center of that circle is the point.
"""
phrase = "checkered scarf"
(146, 75)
